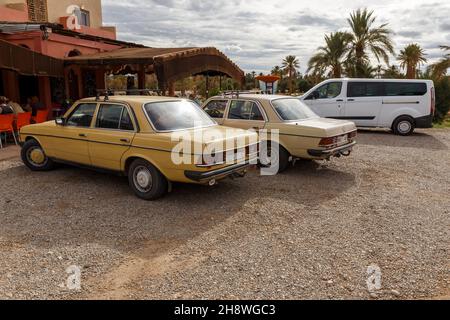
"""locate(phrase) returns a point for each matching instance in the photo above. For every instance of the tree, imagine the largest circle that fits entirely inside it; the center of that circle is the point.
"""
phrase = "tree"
(330, 57)
(411, 58)
(367, 38)
(290, 65)
(439, 69)
(392, 72)
(277, 71)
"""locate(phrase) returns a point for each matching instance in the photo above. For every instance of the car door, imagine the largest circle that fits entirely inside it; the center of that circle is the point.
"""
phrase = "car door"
(364, 102)
(245, 114)
(216, 109)
(71, 140)
(328, 100)
(111, 136)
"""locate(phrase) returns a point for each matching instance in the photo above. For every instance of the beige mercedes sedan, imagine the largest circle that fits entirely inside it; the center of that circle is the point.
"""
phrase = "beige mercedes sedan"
(302, 134)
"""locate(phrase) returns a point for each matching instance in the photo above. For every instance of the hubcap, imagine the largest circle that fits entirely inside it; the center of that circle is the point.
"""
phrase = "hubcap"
(142, 179)
(36, 157)
(404, 126)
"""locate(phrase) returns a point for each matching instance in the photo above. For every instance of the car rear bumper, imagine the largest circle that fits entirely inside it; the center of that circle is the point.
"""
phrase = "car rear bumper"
(205, 177)
(336, 152)
(424, 122)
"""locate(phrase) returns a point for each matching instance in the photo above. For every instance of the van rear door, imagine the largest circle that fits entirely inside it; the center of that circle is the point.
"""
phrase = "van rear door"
(364, 102)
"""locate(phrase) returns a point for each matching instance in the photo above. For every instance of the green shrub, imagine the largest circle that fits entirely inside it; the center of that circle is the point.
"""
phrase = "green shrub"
(442, 99)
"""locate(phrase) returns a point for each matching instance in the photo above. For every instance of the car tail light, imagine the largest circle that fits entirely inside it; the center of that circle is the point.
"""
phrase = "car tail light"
(328, 142)
(433, 102)
(352, 135)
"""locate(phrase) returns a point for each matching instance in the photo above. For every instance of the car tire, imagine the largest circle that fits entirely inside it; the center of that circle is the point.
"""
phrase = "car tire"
(146, 181)
(283, 158)
(34, 157)
(404, 126)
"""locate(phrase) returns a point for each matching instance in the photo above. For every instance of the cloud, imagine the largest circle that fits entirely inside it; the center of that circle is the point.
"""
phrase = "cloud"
(258, 34)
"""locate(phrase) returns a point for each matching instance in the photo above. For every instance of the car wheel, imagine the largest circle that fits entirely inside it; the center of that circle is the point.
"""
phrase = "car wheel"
(403, 126)
(146, 181)
(34, 157)
(267, 157)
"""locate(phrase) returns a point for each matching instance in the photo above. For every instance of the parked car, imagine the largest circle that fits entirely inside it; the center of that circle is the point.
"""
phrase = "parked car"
(133, 136)
(400, 105)
(302, 133)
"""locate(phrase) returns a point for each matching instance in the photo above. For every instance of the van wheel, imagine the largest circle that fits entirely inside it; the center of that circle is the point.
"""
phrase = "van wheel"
(268, 158)
(33, 156)
(404, 126)
(146, 181)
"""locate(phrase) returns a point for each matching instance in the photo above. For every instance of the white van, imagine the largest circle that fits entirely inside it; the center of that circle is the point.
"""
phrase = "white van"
(401, 105)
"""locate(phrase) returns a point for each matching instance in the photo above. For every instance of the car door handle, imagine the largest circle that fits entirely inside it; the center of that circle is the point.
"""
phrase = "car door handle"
(351, 100)
(125, 140)
(83, 135)
(340, 100)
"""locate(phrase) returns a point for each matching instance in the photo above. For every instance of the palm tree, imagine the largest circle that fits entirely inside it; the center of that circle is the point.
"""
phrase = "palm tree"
(331, 55)
(392, 72)
(366, 37)
(277, 71)
(410, 58)
(290, 66)
(439, 69)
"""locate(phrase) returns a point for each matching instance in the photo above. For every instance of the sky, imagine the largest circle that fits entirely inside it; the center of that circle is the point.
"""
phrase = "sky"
(258, 34)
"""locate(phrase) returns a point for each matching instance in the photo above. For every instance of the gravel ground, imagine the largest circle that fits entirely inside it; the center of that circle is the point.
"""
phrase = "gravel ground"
(310, 233)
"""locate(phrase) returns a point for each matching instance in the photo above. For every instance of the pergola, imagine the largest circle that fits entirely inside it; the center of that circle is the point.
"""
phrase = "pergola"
(168, 64)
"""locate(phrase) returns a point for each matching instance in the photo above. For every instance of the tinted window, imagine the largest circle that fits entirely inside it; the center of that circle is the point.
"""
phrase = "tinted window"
(365, 89)
(216, 109)
(125, 121)
(245, 110)
(177, 115)
(293, 109)
(114, 117)
(405, 89)
(328, 91)
(82, 116)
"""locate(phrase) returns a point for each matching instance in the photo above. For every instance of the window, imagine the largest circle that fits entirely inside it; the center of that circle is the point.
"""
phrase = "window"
(177, 115)
(405, 89)
(216, 108)
(293, 109)
(245, 110)
(328, 91)
(114, 117)
(84, 17)
(365, 89)
(82, 116)
(37, 10)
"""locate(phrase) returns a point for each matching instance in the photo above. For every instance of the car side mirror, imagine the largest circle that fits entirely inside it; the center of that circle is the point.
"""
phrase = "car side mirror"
(60, 121)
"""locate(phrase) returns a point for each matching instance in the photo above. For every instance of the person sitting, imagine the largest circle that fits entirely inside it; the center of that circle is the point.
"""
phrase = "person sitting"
(36, 106)
(5, 108)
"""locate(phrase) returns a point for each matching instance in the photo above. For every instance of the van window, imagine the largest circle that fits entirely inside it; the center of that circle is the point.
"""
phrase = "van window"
(365, 89)
(327, 91)
(405, 89)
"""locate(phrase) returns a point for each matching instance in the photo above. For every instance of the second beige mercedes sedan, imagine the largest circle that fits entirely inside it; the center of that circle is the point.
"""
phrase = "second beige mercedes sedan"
(302, 133)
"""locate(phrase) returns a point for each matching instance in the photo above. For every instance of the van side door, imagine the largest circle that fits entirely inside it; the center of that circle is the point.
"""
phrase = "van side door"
(328, 100)
(364, 102)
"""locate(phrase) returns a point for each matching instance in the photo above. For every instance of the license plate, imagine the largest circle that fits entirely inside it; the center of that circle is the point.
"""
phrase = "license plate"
(342, 140)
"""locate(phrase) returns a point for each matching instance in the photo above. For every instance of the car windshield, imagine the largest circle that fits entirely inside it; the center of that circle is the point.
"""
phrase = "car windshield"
(293, 109)
(177, 115)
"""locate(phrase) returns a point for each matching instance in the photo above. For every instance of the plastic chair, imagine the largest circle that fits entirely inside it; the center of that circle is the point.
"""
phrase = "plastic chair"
(22, 120)
(6, 126)
(41, 116)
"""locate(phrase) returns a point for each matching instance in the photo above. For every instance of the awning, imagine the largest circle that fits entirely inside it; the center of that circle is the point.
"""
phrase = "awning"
(28, 62)
(170, 64)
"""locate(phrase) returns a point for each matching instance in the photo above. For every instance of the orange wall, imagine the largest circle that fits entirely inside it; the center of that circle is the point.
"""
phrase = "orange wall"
(13, 15)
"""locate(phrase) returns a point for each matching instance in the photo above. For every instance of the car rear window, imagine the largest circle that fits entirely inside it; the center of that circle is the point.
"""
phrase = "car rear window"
(177, 115)
(293, 109)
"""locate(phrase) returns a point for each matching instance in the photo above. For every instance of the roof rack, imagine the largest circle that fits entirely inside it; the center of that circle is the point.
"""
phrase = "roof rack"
(234, 93)
(106, 93)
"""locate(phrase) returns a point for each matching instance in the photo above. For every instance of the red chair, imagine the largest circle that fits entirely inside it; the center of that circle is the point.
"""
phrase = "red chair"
(22, 120)
(41, 116)
(6, 126)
